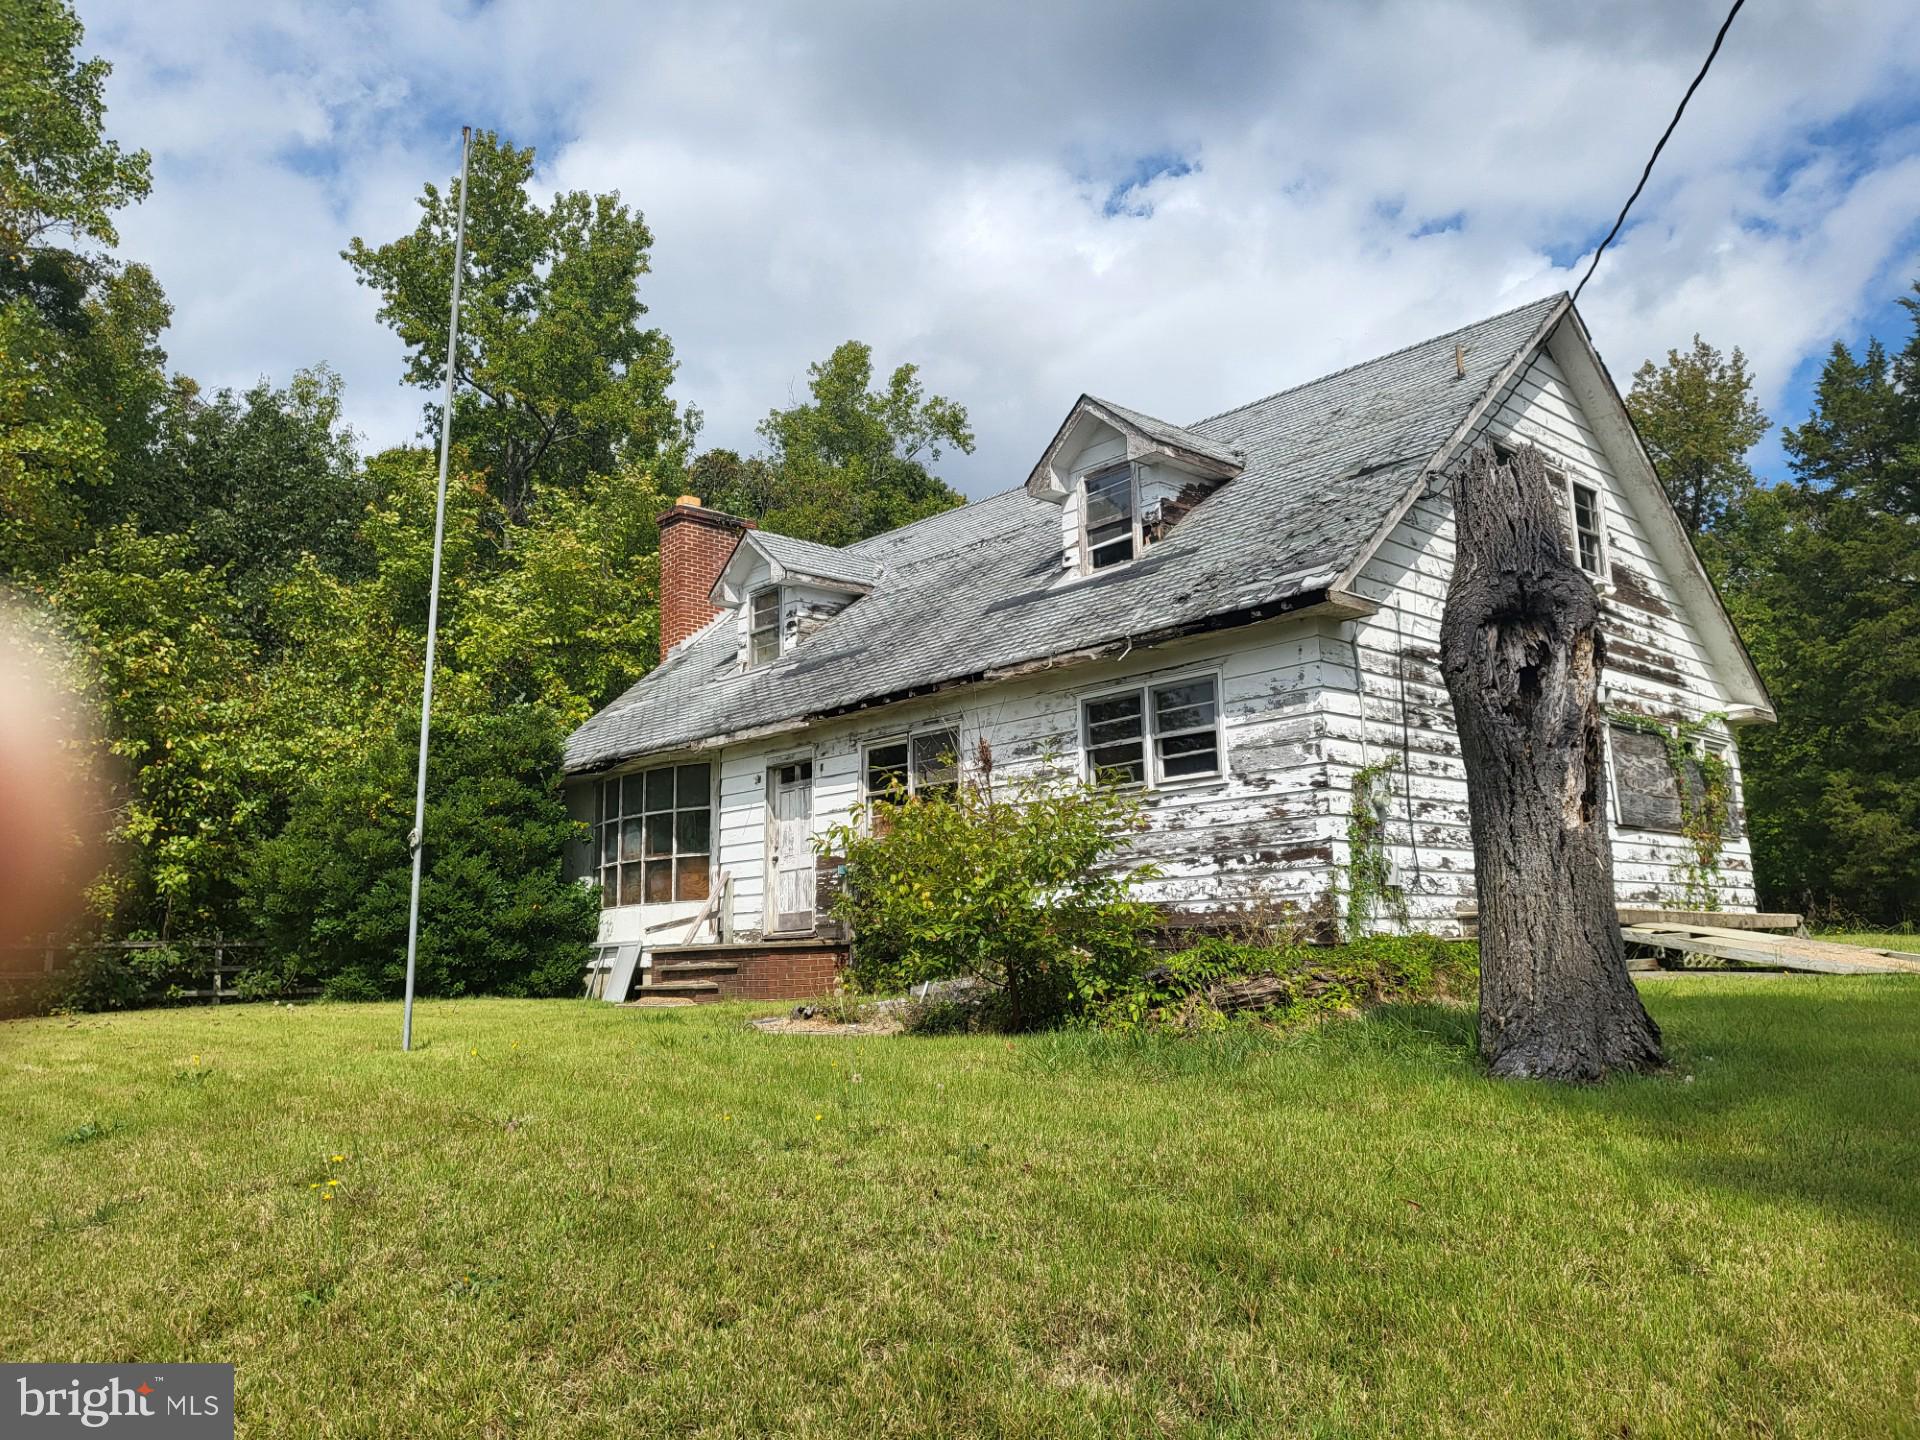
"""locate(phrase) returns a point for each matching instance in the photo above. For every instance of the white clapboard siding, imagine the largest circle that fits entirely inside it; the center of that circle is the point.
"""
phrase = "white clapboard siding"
(1305, 703)
(1397, 709)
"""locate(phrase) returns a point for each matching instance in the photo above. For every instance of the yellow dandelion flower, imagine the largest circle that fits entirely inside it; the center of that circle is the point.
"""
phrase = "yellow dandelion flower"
(818, 1117)
(314, 1186)
(474, 1051)
(326, 1194)
(336, 1159)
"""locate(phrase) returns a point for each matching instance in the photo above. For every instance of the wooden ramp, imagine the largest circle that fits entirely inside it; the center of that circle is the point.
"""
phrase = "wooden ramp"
(1698, 946)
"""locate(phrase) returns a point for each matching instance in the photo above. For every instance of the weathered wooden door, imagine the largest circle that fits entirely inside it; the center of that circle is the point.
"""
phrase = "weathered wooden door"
(790, 882)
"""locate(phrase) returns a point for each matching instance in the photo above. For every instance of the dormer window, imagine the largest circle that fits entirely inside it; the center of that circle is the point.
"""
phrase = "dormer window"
(763, 626)
(1110, 516)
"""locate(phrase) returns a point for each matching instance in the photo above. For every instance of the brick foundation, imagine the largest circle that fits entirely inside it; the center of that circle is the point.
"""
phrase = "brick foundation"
(755, 969)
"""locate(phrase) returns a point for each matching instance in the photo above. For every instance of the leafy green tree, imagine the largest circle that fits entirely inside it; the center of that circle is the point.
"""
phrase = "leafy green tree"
(1698, 418)
(59, 174)
(853, 461)
(497, 915)
(257, 480)
(724, 480)
(1823, 582)
(575, 617)
(81, 372)
(161, 652)
(1863, 437)
(558, 380)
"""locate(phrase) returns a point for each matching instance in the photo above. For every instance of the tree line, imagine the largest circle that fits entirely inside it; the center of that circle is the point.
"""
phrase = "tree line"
(241, 590)
(1821, 573)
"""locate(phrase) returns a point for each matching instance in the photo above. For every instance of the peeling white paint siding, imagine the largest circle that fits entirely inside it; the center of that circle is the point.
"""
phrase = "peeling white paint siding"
(1656, 665)
(1306, 702)
(1264, 829)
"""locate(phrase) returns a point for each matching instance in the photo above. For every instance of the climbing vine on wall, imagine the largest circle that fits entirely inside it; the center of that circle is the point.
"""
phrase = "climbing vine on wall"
(1705, 807)
(1368, 871)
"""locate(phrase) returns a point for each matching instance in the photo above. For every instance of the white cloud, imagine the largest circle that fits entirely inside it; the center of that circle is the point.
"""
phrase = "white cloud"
(935, 181)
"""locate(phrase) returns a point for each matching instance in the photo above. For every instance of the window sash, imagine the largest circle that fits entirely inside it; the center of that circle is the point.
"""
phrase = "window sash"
(921, 762)
(655, 842)
(1587, 536)
(1107, 516)
(1176, 725)
(763, 627)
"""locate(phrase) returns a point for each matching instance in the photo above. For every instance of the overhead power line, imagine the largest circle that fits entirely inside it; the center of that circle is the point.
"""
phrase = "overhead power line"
(1725, 25)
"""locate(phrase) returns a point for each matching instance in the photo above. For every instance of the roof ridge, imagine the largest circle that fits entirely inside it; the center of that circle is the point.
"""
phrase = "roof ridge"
(1375, 359)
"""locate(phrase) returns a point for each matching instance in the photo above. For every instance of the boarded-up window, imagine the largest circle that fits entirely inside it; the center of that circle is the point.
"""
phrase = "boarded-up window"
(1648, 789)
(1643, 778)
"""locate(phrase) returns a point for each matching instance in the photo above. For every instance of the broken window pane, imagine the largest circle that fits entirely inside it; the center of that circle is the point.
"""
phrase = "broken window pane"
(886, 768)
(1109, 517)
(936, 762)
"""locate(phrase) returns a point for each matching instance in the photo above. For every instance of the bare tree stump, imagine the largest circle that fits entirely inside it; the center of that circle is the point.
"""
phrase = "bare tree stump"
(1522, 652)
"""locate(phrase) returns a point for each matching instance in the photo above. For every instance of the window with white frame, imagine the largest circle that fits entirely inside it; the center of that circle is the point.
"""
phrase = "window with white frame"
(656, 836)
(1155, 734)
(1582, 513)
(1589, 548)
(1108, 517)
(763, 626)
(924, 763)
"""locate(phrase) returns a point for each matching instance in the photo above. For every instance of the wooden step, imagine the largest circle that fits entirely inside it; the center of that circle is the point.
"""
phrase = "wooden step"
(678, 987)
(695, 969)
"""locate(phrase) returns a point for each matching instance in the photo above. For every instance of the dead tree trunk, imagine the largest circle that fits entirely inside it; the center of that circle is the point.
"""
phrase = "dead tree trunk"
(1522, 653)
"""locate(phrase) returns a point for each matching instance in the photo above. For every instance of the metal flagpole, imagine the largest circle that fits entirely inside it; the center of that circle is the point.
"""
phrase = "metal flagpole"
(417, 839)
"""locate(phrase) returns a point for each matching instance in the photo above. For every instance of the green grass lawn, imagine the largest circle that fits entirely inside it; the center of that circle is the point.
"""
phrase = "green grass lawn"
(561, 1218)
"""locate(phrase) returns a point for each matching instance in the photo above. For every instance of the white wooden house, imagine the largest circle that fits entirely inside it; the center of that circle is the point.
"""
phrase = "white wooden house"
(1239, 615)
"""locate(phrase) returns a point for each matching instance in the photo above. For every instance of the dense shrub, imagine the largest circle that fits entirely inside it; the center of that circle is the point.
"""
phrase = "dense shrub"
(1196, 988)
(496, 915)
(1015, 885)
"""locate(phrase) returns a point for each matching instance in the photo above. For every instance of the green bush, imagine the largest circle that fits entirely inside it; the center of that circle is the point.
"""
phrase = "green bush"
(497, 915)
(1016, 886)
(1315, 980)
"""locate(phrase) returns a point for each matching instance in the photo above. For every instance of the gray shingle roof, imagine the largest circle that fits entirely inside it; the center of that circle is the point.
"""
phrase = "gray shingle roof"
(819, 562)
(972, 592)
(1177, 437)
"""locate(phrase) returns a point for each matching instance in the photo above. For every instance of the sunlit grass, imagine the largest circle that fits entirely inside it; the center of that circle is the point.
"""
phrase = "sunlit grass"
(569, 1219)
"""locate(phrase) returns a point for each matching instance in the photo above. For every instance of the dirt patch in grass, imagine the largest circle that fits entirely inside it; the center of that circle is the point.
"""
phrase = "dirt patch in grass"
(884, 1023)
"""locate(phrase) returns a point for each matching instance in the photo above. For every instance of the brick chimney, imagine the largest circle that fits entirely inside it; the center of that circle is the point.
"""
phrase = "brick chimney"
(695, 545)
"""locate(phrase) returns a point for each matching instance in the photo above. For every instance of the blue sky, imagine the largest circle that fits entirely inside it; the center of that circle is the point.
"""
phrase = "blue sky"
(1180, 206)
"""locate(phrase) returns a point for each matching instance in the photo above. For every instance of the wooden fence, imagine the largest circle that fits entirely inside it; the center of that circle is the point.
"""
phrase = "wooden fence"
(211, 982)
